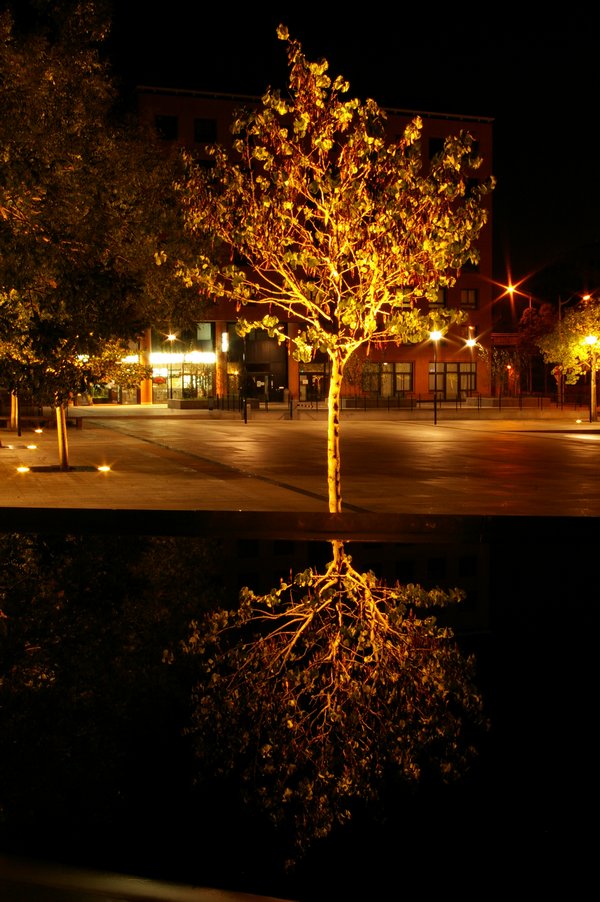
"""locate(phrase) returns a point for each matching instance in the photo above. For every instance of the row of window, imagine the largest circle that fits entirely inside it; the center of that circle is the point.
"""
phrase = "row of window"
(469, 298)
(205, 132)
(167, 128)
(451, 380)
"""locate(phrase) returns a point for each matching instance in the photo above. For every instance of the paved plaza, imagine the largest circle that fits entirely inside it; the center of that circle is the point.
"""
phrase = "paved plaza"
(171, 460)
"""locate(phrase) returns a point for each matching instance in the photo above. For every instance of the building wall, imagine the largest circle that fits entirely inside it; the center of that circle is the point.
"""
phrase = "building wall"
(190, 119)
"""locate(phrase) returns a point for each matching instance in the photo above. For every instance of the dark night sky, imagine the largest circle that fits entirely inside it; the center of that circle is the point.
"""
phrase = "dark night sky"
(538, 81)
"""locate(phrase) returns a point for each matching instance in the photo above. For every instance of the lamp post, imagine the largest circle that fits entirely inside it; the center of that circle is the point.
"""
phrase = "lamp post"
(592, 341)
(171, 337)
(471, 343)
(435, 336)
(513, 290)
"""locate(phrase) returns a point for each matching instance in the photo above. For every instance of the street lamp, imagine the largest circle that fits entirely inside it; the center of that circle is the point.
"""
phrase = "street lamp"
(592, 341)
(435, 336)
(513, 290)
(171, 337)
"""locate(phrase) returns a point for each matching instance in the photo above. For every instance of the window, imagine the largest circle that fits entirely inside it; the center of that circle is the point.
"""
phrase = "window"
(452, 380)
(436, 145)
(167, 127)
(440, 301)
(205, 131)
(469, 297)
(204, 332)
(383, 380)
(370, 378)
(467, 378)
(404, 377)
(436, 379)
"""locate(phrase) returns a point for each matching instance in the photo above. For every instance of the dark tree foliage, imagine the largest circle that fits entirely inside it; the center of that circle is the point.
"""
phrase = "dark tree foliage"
(87, 210)
(91, 719)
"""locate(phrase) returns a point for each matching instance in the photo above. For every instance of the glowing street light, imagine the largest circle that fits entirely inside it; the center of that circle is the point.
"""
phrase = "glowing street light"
(435, 336)
(592, 341)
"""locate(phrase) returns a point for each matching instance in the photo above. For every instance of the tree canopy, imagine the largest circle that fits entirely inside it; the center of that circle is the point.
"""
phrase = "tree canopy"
(86, 210)
(569, 344)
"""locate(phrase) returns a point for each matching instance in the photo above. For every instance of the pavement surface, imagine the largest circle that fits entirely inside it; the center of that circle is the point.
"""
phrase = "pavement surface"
(174, 460)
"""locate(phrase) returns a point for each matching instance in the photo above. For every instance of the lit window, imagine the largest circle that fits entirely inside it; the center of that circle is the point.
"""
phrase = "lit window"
(440, 301)
(404, 377)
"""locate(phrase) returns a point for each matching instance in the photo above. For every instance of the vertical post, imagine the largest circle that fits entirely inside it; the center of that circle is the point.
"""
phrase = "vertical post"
(146, 387)
(171, 337)
(435, 382)
(592, 341)
(435, 336)
(561, 378)
(593, 399)
(243, 386)
(61, 433)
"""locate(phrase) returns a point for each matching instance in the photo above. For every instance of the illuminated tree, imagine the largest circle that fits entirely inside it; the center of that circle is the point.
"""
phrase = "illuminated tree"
(566, 346)
(87, 210)
(334, 227)
(329, 235)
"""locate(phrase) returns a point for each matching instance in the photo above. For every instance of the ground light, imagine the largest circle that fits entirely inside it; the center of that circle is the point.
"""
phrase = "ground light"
(22, 469)
(104, 468)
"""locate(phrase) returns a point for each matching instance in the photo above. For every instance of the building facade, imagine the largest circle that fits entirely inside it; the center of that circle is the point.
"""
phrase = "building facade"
(216, 363)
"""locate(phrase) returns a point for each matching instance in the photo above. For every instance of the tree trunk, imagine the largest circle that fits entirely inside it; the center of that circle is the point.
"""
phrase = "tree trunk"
(334, 484)
(14, 411)
(61, 434)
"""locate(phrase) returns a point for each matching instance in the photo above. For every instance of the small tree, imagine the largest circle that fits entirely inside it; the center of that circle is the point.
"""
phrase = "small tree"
(566, 346)
(318, 690)
(535, 322)
(335, 227)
